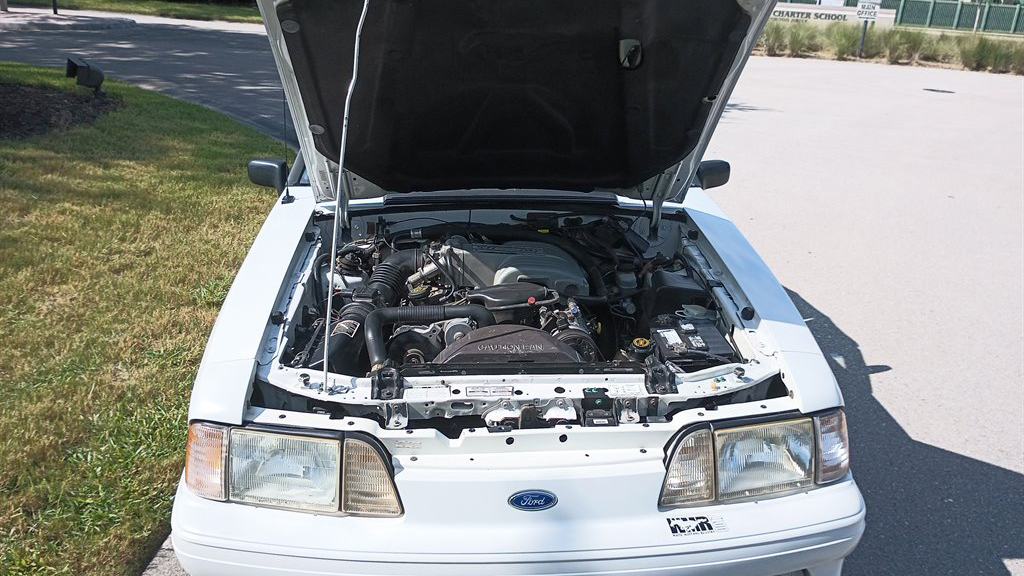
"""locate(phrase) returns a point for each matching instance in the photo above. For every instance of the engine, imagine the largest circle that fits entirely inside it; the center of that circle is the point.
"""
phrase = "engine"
(472, 296)
(530, 324)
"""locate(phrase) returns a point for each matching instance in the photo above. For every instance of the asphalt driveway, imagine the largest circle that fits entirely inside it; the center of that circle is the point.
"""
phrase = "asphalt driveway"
(227, 67)
(887, 199)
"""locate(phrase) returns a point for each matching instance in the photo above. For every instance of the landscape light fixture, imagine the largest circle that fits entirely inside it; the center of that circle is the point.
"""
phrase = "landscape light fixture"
(85, 74)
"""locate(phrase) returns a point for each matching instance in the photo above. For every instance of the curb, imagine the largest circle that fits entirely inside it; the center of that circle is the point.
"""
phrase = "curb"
(164, 563)
(35, 23)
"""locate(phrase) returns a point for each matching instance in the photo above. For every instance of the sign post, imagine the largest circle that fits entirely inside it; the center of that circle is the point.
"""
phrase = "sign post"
(867, 10)
(3, 6)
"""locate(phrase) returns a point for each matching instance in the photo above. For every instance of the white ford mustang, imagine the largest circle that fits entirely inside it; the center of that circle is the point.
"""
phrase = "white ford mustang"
(494, 325)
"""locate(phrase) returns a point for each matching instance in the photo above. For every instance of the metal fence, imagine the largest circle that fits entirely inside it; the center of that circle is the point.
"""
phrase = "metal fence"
(975, 16)
(951, 15)
(886, 4)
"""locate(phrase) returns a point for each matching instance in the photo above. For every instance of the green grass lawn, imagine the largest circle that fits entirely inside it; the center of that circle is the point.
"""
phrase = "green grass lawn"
(188, 10)
(118, 241)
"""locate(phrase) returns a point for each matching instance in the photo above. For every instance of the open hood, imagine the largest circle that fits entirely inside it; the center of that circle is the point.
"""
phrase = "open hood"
(569, 95)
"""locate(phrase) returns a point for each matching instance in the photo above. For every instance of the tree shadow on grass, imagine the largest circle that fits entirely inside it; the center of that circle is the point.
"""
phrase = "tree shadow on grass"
(931, 512)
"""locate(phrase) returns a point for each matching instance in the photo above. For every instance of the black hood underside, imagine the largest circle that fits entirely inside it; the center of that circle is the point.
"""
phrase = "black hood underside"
(459, 94)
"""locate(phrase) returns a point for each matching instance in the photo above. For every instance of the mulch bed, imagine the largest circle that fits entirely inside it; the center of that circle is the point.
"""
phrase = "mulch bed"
(30, 110)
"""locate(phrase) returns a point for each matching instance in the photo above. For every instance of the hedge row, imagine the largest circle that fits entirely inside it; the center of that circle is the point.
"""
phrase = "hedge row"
(894, 45)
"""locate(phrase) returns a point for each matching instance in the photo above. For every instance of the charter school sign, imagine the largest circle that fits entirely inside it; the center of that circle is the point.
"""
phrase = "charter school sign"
(825, 15)
(819, 15)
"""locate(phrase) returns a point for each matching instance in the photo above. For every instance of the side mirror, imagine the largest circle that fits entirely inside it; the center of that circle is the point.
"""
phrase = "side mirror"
(269, 172)
(713, 173)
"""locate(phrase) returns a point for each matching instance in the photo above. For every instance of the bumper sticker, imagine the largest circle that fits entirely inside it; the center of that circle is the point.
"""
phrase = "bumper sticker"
(695, 525)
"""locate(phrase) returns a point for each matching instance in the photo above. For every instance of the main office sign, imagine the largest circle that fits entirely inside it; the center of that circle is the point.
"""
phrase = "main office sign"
(867, 10)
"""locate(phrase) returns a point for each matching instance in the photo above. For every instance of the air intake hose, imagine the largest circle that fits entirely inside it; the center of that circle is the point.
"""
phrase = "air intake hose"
(383, 289)
(389, 276)
(373, 327)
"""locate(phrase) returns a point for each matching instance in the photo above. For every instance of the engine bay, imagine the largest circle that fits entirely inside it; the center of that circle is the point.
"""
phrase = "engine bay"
(525, 320)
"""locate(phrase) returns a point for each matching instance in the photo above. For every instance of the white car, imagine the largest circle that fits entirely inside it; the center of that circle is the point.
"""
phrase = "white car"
(547, 351)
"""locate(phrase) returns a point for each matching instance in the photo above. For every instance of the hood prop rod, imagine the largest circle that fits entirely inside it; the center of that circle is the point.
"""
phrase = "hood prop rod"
(340, 200)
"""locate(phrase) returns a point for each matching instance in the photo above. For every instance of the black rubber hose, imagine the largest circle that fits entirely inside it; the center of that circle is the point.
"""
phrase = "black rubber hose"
(598, 290)
(388, 280)
(373, 326)
(389, 276)
(347, 338)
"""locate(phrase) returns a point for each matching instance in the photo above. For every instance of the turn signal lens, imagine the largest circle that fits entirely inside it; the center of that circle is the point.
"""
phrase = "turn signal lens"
(833, 447)
(690, 478)
(368, 488)
(204, 460)
(765, 459)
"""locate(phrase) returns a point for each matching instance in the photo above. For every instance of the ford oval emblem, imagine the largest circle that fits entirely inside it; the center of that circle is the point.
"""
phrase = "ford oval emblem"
(533, 500)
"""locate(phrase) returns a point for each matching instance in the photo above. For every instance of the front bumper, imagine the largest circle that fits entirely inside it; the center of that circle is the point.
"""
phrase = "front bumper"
(810, 531)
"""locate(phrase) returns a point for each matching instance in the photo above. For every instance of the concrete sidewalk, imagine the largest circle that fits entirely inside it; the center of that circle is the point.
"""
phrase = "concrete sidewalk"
(142, 19)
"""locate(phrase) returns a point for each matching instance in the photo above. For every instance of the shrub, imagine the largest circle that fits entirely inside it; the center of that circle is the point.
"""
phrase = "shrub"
(844, 39)
(774, 38)
(901, 45)
(913, 41)
(999, 58)
(1017, 58)
(938, 48)
(803, 39)
(976, 51)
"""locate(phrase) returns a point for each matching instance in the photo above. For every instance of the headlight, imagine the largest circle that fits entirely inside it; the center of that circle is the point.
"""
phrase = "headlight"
(284, 471)
(756, 461)
(296, 472)
(765, 459)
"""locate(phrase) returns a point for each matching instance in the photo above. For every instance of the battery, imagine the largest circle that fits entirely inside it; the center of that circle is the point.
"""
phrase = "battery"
(688, 341)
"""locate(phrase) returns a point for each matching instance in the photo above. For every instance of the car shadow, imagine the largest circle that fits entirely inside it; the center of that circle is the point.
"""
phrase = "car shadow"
(930, 511)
